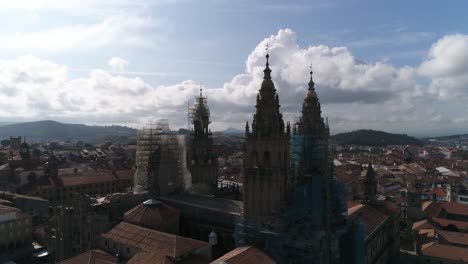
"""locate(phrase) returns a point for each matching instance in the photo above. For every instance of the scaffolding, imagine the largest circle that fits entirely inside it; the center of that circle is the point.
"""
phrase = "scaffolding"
(149, 139)
(199, 114)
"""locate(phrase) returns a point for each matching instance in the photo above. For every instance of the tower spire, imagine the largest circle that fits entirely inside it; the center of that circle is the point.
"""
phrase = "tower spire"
(267, 71)
(311, 82)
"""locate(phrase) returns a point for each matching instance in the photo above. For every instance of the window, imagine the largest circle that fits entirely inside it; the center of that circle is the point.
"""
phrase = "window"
(105, 243)
(128, 250)
(114, 246)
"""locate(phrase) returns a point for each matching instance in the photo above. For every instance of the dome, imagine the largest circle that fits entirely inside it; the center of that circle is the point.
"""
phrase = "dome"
(154, 214)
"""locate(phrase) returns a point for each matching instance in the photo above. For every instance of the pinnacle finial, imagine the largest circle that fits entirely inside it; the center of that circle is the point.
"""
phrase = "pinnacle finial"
(311, 72)
(311, 82)
(267, 71)
(201, 90)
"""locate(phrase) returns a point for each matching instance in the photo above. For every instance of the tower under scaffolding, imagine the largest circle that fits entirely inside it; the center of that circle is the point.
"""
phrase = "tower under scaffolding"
(161, 166)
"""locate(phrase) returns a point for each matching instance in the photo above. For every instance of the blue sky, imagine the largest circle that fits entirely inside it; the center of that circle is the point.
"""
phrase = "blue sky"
(391, 65)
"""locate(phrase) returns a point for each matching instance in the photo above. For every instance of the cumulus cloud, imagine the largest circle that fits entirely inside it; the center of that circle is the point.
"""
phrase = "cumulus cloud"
(118, 64)
(446, 66)
(354, 94)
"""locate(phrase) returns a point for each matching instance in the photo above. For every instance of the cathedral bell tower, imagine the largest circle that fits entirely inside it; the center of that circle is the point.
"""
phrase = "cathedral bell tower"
(310, 157)
(266, 166)
(202, 163)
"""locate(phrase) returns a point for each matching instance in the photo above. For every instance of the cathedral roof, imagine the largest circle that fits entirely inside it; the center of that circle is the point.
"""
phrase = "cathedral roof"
(151, 214)
(245, 255)
(155, 247)
(94, 256)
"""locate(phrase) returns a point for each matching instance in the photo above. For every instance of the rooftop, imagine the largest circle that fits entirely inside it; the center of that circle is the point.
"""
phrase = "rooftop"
(245, 255)
(94, 256)
(152, 242)
(217, 204)
(446, 252)
(152, 214)
(7, 209)
(454, 237)
(371, 217)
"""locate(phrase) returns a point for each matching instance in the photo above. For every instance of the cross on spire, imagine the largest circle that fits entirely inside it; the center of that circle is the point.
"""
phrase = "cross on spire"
(267, 47)
(201, 89)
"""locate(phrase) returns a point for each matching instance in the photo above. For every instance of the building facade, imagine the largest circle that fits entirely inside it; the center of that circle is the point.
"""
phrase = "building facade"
(294, 208)
(267, 176)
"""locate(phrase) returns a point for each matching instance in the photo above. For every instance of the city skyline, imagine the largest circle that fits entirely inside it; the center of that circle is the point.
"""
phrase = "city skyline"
(126, 62)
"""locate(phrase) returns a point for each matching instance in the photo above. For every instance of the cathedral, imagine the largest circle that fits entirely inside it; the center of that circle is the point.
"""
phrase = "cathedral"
(294, 208)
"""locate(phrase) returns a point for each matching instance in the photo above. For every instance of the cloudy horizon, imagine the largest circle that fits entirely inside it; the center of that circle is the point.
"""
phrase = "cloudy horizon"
(131, 62)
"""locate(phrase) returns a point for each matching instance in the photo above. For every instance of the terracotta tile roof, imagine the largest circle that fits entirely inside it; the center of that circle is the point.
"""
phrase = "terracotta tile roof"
(437, 191)
(446, 222)
(426, 238)
(455, 208)
(423, 224)
(432, 209)
(426, 204)
(152, 214)
(5, 202)
(91, 176)
(152, 241)
(82, 177)
(8, 209)
(245, 255)
(454, 237)
(446, 252)
(344, 176)
(94, 256)
(352, 204)
(371, 217)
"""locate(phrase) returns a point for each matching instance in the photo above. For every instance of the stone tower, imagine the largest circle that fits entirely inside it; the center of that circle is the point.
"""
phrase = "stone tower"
(202, 163)
(266, 168)
(311, 159)
(370, 186)
(24, 151)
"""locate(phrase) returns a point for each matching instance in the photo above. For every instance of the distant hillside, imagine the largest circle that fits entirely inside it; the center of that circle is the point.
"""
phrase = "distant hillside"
(450, 137)
(231, 131)
(52, 130)
(373, 138)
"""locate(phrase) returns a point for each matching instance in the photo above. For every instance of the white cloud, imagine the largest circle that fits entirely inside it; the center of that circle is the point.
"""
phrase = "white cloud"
(80, 7)
(353, 94)
(446, 66)
(118, 64)
(115, 31)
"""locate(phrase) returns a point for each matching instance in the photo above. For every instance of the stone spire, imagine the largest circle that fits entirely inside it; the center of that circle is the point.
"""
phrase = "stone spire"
(268, 121)
(311, 121)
